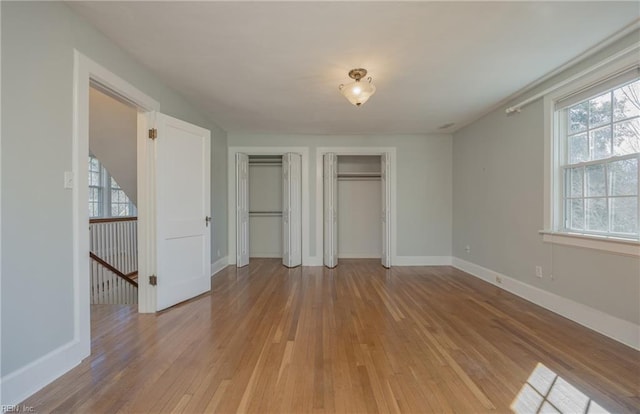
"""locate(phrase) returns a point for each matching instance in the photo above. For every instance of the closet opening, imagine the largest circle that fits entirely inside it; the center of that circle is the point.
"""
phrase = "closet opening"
(265, 206)
(356, 197)
(268, 208)
(359, 207)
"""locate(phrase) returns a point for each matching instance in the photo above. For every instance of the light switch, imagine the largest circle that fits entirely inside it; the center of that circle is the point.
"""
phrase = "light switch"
(68, 179)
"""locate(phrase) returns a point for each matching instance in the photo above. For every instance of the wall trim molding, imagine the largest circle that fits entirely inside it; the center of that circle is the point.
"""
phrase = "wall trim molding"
(358, 256)
(219, 265)
(615, 328)
(259, 255)
(25, 381)
(421, 261)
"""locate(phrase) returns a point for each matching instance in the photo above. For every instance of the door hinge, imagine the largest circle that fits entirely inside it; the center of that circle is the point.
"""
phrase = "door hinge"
(153, 280)
(153, 133)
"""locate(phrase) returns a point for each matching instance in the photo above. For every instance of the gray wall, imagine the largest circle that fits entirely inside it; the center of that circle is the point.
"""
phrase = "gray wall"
(265, 194)
(113, 130)
(498, 211)
(359, 208)
(37, 72)
(423, 190)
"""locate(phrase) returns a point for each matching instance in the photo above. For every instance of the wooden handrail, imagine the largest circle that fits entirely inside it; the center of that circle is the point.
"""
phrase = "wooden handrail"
(111, 219)
(113, 269)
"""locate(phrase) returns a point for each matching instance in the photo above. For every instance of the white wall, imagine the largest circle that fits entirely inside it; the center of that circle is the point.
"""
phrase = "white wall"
(498, 164)
(112, 139)
(424, 207)
(38, 40)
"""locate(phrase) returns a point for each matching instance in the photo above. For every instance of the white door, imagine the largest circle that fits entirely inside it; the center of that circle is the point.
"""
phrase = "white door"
(291, 214)
(183, 238)
(330, 175)
(242, 210)
(385, 167)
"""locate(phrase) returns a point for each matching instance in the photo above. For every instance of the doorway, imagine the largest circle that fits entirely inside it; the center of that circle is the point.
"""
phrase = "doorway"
(113, 221)
(173, 200)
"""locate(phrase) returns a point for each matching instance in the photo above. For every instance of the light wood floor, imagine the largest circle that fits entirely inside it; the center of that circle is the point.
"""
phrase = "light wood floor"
(358, 338)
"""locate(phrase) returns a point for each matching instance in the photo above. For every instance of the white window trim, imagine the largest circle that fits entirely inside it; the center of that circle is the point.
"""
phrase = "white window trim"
(551, 232)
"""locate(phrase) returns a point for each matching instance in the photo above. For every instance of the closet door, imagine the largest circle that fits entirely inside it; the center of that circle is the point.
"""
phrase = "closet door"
(291, 206)
(386, 210)
(242, 210)
(330, 175)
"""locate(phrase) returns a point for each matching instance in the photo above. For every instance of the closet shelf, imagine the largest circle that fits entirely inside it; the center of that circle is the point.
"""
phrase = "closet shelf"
(265, 213)
(359, 174)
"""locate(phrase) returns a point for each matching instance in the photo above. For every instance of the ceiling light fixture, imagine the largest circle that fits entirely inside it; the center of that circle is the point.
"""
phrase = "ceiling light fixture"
(358, 92)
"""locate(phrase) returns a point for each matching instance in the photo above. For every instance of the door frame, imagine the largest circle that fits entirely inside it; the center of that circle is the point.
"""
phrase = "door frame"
(87, 72)
(320, 152)
(231, 195)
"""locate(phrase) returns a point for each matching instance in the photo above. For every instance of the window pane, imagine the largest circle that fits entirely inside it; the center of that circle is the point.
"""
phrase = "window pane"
(597, 214)
(114, 184)
(626, 137)
(595, 181)
(600, 110)
(115, 194)
(601, 143)
(623, 178)
(575, 182)
(578, 116)
(626, 101)
(94, 178)
(578, 148)
(625, 215)
(576, 214)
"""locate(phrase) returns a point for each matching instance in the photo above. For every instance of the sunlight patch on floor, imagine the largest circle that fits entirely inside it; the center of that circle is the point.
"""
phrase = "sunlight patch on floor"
(546, 392)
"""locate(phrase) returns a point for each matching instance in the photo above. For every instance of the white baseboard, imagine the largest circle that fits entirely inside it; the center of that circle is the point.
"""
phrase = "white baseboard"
(615, 328)
(25, 381)
(220, 264)
(312, 261)
(357, 256)
(265, 256)
(421, 261)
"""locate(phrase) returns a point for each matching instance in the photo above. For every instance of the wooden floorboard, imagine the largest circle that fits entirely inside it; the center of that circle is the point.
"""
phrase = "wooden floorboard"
(358, 338)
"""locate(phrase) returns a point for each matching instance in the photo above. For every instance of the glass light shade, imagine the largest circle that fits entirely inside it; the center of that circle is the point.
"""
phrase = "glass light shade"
(358, 92)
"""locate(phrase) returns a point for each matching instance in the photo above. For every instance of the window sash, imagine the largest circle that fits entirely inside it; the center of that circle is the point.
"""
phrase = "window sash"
(105, 204)
(567, 198)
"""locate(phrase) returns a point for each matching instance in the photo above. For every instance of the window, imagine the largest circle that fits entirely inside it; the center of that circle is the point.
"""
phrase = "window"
(594, 153)
(106, 198)
(600, 164)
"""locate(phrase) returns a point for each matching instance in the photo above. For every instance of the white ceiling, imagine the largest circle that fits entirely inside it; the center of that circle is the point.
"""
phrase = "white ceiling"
(275, 67)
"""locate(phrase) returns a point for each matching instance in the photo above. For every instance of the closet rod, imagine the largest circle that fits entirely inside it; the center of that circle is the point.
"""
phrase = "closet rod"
(278, 213)
(359, 175)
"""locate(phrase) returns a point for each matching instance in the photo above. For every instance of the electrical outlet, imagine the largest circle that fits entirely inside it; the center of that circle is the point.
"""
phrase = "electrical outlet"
(467, 248)
(498, 279)
(539, 271)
